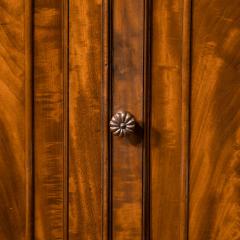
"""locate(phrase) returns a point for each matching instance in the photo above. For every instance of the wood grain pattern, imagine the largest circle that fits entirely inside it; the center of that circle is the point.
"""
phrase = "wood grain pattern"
(215, 118)
(49, 119)
(90, 59)
(127, 94)
(85, 201)
(169, 119)
(15, 120)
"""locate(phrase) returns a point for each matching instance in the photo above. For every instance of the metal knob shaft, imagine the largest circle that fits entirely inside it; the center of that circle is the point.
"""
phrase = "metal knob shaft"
(122, 124)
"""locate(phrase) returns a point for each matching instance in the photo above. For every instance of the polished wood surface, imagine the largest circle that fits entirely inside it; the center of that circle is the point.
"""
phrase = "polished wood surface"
(215, 117)
(49, 122)
(85, 202)
(15, 120)
(127, 94)
(66, 67)
(169, 123)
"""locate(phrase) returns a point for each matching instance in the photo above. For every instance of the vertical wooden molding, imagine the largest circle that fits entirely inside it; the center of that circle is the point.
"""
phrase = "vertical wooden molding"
(106, 112)
(29, 116)
(170, 118)
(85, 120)
(147, 119)
(185, 114)
(127, 87)
(65, 43)
(50, 119)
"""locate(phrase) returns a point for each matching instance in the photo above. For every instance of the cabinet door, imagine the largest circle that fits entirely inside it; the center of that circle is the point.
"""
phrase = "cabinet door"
(195, 120)
(119, 119)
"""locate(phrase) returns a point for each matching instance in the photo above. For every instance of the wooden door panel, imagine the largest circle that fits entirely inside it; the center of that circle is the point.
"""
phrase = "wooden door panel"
(170, 41)
(85, 145)
(215, 117)
(15, 120)
(50, 141)
(127, 79)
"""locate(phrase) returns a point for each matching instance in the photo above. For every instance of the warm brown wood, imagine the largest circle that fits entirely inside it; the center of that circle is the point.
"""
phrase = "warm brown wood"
(127, 94)
(49, 119)
(169, 118)
(85, 201)
(66, 67)
(15, 120)
(215, 118)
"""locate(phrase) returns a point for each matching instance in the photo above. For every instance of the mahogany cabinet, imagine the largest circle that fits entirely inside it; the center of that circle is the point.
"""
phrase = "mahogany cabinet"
(169, 71)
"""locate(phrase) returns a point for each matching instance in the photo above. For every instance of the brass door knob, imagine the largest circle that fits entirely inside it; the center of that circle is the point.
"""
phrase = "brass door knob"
(122, 124)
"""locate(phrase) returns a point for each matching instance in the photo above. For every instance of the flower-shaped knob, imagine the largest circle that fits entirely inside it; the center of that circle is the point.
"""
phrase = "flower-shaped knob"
(122, 124)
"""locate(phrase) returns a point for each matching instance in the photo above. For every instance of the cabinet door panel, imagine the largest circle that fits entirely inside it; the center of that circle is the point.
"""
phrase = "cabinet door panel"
(215, 117)
(85, 143)
(170, 41)
(127, 94)
(50, 141)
